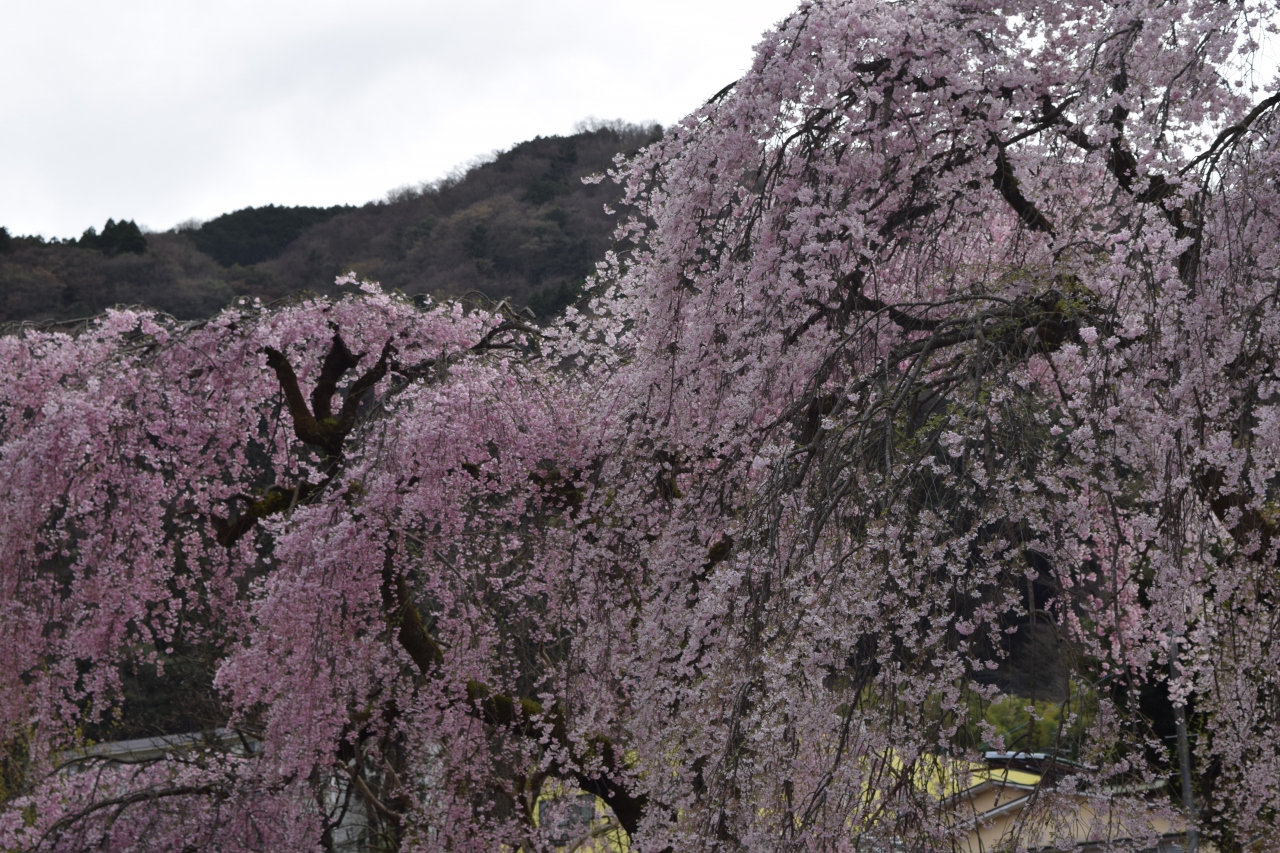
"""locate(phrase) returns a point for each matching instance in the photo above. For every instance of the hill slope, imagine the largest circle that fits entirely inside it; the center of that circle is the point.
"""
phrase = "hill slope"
(522, 226)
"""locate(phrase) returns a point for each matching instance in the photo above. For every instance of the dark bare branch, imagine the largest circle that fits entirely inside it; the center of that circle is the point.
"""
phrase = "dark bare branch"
(1007, 183)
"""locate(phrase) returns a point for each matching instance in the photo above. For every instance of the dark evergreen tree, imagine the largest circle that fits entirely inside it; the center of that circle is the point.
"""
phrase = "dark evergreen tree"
(116, 238)
(121, 237)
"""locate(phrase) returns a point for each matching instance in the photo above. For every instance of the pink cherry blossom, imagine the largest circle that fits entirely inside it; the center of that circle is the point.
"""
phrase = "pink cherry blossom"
(934, 368)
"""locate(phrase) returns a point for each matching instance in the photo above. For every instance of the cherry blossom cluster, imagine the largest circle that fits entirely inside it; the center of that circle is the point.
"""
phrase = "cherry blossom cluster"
(935, 365)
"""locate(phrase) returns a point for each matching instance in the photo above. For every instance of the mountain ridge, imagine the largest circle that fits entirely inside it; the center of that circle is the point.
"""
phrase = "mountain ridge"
(521, 225)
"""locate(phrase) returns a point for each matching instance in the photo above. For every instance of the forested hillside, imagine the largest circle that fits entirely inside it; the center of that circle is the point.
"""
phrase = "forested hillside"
(521, 226)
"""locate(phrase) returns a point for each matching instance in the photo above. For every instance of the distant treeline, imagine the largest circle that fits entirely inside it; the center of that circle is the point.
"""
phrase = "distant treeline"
(116, 238)
(520, 225)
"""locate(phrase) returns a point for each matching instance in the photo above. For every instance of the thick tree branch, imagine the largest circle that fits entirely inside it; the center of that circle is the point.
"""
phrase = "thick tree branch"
(275, 501)
(305, 426)
(321, 428)
(371, 377)
(857, 300)
(1007, 183)
(336, 364)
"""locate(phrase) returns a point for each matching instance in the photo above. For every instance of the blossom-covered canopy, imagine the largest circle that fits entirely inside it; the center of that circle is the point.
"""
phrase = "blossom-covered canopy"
(933, 375)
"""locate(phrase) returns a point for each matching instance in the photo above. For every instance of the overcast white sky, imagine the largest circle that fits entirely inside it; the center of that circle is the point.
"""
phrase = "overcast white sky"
(165, 110)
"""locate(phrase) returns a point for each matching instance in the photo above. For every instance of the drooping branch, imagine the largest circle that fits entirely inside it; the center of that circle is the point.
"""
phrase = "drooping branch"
(509, 325)
(529, 715)
(403, 617)
(1229, 135)
(122, 802)
(857, 300)
(1254, 530)
(490, 341)
(512, 712)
